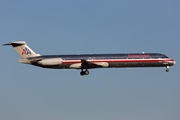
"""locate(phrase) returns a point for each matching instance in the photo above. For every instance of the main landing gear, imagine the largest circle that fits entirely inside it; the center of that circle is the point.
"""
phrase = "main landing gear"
(84, 72)
(167, 68)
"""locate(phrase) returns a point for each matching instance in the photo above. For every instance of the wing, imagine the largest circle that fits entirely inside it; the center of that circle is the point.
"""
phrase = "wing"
(86, 64)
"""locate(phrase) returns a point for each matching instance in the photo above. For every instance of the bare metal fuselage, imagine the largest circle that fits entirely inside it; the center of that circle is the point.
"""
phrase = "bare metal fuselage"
(90, 61)
(108, 61)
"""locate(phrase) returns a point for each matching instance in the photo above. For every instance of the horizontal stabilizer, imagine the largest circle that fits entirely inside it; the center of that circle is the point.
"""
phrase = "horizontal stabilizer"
(18, 43)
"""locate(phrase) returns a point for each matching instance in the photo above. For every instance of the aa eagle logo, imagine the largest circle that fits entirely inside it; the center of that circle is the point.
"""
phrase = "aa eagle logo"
(26, 51)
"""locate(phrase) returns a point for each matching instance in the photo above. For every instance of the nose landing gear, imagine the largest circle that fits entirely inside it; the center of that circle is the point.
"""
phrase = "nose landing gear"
(167, 68)
(84, 72)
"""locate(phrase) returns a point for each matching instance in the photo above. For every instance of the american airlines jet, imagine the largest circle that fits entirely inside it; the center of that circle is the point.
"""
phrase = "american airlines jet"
(90, 61)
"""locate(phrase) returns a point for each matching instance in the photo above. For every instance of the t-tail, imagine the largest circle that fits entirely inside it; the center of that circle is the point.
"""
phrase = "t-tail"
(23, 49)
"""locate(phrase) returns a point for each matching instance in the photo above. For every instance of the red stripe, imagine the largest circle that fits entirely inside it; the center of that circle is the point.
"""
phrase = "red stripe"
(129, 60)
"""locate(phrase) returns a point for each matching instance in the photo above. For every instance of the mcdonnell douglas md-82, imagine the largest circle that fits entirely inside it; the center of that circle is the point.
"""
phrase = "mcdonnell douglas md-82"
(90, 61)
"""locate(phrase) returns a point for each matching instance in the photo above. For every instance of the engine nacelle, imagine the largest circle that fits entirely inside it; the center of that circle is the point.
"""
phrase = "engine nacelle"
(51, 61)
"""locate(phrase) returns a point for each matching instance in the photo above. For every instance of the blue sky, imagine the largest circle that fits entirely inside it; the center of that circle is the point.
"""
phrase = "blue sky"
(87, 27)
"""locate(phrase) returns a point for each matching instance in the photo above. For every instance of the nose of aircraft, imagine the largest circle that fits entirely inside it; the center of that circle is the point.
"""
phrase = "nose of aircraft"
(174, 62)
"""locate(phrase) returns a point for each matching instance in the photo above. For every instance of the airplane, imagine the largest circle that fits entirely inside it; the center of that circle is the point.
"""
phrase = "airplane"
(90, 61)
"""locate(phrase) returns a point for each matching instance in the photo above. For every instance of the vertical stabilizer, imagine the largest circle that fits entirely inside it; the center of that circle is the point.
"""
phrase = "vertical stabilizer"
(23, 49)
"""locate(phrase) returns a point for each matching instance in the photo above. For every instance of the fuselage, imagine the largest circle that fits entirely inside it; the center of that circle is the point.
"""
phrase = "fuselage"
(90, 61)
(109, 60)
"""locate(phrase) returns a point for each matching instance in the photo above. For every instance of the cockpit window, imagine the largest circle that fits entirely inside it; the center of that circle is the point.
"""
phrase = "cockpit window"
(158, 56)
(165, 56)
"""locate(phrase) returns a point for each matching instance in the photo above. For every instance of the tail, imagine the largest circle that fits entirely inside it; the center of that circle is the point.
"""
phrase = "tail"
(23, 49)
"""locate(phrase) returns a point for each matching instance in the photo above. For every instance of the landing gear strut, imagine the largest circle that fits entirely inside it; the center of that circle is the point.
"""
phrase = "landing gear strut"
(167, 68)
(84, 72)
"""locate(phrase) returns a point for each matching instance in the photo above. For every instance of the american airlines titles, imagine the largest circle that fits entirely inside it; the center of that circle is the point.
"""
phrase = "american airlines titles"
(138, 55)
